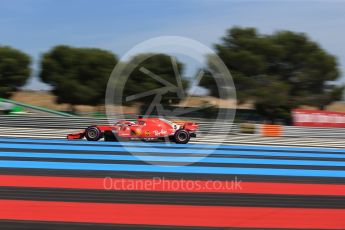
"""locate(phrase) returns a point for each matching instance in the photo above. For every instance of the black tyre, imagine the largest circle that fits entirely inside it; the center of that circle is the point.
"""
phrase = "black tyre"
(92, 133)
(109, 136)
(181, 136)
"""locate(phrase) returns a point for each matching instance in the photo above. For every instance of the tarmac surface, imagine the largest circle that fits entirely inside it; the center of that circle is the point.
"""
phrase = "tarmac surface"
(58, 184)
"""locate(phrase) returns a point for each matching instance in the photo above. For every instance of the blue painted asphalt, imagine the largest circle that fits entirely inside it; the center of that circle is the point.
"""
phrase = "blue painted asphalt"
(172, 145)
(71, 150)
(171, 159)
(171, 169)
(254, 152)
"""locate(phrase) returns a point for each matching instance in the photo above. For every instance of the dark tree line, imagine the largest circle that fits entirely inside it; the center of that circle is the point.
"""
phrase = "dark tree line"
(277, 72)
(78, 76)
(14, 70)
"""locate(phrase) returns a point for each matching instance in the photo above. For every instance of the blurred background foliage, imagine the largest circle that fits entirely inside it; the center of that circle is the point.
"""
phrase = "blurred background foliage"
(78, 76)
(142, 78)
(276, 72)
(14, 70)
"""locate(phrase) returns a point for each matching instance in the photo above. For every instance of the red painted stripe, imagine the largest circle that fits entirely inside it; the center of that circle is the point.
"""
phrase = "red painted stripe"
(175, 215)
(157, 184)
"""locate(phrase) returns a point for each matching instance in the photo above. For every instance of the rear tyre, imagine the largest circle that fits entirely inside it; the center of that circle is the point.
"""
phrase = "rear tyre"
(92, 133)
(181, 136)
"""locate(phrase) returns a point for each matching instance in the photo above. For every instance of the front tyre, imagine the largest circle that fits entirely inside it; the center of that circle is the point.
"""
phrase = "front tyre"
(92, 133)
(181, 136)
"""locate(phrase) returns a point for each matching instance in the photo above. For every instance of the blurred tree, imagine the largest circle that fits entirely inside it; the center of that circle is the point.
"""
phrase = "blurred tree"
(150, 74)
(278, 72)
(78, 76)
(14, 70)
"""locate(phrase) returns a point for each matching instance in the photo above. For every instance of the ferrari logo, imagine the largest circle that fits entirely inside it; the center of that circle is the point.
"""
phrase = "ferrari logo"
(147, 133)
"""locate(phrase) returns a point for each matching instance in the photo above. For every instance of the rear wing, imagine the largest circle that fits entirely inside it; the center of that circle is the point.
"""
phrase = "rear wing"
(188, 125)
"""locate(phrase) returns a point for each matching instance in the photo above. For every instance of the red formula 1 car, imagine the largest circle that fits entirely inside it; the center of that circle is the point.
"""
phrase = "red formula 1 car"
(147, 129)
